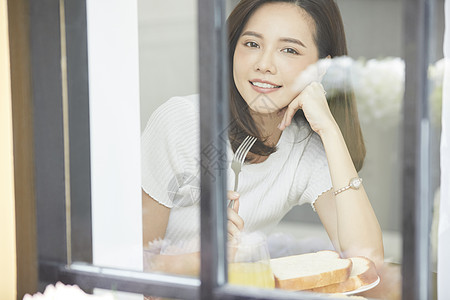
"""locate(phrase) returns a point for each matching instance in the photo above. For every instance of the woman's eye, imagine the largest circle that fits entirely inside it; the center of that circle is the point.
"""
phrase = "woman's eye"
(252, 45)
(290, 51)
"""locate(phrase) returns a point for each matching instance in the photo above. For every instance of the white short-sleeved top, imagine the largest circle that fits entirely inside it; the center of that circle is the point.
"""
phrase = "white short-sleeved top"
(295, 174)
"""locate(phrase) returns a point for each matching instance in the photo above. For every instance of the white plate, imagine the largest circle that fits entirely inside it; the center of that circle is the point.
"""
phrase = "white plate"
(363, 288)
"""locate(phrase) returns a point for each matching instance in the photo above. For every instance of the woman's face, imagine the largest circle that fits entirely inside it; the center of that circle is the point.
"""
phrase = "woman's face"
(275, 46)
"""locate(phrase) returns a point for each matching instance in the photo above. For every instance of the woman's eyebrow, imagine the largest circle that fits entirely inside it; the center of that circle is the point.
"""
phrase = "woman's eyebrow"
(294, 41)
(252, 33)
(283, 39)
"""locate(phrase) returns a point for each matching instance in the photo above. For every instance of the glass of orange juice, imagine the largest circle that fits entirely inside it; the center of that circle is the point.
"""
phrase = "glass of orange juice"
(249, 261)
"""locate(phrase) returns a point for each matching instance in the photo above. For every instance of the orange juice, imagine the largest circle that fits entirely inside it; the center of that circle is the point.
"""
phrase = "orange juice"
(257, 274)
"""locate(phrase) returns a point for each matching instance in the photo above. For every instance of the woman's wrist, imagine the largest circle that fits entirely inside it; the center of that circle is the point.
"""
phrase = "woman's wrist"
(330, 131)
(339, 159)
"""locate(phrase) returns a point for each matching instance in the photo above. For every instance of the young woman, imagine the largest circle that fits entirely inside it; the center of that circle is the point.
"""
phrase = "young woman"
(309, 148)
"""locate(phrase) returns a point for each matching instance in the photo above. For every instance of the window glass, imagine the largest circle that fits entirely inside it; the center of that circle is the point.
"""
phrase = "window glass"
(373, 70)
(294, 194)
(170, 136)
(371, 73)
(144, 121)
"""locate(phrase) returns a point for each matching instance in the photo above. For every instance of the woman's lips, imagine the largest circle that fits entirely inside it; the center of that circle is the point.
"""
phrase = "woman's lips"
(264, 87)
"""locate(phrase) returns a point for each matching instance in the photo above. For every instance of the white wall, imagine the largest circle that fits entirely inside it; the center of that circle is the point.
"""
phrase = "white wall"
(115, 132)
(168, 52)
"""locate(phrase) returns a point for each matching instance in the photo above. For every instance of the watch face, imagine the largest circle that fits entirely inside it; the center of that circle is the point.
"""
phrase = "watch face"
(356, 183)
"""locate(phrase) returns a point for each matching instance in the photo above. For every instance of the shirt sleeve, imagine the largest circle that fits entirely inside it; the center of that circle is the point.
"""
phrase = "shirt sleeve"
(319, 180)
(170, 154)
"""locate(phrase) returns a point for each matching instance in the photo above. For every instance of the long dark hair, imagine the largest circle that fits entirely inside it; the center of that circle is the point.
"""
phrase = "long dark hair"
(330, 41)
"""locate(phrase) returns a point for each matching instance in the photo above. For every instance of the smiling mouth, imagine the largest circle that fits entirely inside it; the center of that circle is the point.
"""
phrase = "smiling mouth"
(265, 85)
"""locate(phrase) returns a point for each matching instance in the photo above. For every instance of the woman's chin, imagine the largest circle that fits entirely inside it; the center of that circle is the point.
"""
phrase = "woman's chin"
(263, 110)
(264, 105)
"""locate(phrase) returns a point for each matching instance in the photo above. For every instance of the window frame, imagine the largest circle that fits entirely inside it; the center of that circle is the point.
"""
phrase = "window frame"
(60, 105)
(416, 218)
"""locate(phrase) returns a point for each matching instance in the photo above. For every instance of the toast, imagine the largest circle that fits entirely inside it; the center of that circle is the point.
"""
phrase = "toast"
(363, 273)
(309, 271)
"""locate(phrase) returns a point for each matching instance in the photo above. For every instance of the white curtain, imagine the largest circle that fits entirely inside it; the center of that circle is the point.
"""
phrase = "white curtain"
(444, 213)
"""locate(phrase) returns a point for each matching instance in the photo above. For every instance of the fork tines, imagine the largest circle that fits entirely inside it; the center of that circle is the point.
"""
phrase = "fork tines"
(243, 149)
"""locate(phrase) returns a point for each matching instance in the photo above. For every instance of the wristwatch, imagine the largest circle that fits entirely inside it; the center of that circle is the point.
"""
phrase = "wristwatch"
(355, 183)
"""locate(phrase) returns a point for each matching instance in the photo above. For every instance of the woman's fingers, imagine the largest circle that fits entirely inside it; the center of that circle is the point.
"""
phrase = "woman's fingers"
(308, 100)
(235, 222)
(317, 86)
(232, 195)
(236, 219)
(316, 109)
(233, 231)
(289, 113)
(292, 109)
(281, 111)
(236, 206)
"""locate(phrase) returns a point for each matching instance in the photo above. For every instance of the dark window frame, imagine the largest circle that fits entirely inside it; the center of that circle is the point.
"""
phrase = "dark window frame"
(52, 170)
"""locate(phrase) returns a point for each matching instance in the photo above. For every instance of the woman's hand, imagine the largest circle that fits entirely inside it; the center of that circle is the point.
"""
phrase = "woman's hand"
(235, 222)
(314, 104)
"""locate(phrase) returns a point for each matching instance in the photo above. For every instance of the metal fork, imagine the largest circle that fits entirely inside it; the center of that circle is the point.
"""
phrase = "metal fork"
(238, 160)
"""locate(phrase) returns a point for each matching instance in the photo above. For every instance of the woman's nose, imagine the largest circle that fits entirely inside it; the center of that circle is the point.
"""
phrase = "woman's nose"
(265, 63)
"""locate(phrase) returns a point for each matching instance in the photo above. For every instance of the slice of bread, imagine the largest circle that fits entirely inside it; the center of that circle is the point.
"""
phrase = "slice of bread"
(363, 273)
(311, 270)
